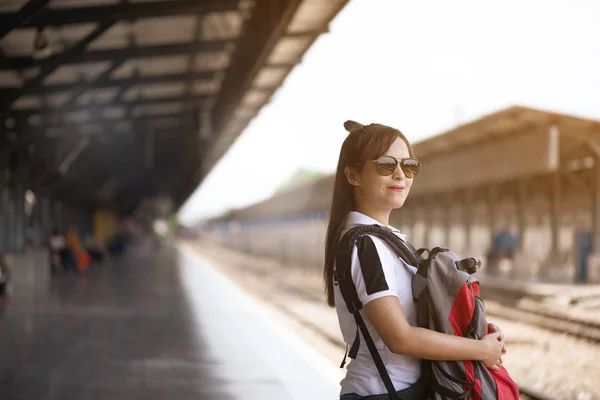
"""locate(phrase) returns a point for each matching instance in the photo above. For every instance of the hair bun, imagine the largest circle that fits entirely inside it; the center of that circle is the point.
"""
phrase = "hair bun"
(352, 125)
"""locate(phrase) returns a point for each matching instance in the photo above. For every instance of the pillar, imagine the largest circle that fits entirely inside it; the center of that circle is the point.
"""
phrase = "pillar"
(2, 215)
(468, 203)
(11, 222)
(596, 207)
(555, 210)
(427, 221)
(492, 204)
(20, 220)
(522, 211)
(448, 221)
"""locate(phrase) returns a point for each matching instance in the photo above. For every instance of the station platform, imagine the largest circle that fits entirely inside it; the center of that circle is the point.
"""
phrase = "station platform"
(159, 326)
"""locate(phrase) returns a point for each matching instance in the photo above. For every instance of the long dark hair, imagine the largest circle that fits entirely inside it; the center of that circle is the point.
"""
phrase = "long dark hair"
(362, 144)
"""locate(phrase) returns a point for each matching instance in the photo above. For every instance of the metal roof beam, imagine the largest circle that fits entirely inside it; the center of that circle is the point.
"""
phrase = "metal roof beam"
(80, 15)
(15, 63)
(49, 112)
(26, 13)
(108, 83)
(107, 125)
(52, 64)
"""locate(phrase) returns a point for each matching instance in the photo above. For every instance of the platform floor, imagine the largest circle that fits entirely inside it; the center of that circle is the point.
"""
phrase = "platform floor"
(164, 326)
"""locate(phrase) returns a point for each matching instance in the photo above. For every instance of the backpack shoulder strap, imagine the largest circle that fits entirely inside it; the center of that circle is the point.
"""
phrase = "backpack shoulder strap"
(402, 248)
(343, 277)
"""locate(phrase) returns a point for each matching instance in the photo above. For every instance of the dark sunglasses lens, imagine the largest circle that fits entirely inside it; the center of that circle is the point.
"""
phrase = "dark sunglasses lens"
(410, 167)
(386, 165)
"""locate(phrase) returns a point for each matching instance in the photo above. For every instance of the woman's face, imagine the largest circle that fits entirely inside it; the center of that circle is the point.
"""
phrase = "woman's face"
(384, 192)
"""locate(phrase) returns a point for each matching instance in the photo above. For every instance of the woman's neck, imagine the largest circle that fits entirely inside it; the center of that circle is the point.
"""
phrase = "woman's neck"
(381, 216)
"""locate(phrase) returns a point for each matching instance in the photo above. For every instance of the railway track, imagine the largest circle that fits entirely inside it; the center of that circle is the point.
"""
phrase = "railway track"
(531, 394)
(528, 311)
(536, 313)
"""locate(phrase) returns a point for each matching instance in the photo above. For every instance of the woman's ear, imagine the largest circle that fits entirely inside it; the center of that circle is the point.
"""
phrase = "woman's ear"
(352, 176)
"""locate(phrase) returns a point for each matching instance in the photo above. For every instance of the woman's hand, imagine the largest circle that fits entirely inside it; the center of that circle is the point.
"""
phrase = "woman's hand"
(495, 328)
(493, 345)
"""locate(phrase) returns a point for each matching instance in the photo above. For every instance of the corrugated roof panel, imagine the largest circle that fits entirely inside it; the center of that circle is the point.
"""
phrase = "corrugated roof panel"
(77, 116)
(29, 73)
(11, 5)
(314, 15)
(212, 61)
(98, 96)
(221, 26)
(162, 65)
(255, 98)
(35, 120)
(164, 123)
(117, 36)
(10, 79)
(113, 112)
(124, 71)
(158, 109)
(155, 91)
(270, 77)
(165, 30)
(18, 42)
(206, 87)
(74, 73)
(289, 49)
(27, 102)
(57, 99)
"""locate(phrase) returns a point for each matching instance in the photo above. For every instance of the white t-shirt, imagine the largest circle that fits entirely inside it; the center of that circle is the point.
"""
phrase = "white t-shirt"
(380, 274)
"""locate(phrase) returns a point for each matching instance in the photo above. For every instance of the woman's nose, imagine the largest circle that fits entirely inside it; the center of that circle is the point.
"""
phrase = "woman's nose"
(398, 173)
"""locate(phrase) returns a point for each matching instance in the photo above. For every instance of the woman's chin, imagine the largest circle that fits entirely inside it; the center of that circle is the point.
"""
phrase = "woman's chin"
(397, 203)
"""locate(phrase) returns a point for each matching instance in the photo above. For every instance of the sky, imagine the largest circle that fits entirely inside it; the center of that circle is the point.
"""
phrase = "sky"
(422, 67)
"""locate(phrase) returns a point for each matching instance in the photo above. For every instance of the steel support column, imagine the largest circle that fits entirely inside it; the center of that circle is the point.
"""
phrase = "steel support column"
(447, 221)
(555, 212)
(596, 207)
(20, 220)
(468, 219)
(2, 214)
(492, 204)
(521, 211)
(11, 222)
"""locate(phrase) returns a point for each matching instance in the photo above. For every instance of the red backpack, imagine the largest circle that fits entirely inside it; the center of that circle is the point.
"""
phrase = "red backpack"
(447, 300)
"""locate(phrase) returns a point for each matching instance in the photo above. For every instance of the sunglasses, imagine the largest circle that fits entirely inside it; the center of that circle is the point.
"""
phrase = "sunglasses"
(386, 166)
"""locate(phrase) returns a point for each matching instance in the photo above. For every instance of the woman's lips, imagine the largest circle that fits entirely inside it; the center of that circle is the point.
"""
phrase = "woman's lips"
(396, 188)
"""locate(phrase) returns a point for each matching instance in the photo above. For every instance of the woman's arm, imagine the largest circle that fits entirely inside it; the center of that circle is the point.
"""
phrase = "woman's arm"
(400, 337)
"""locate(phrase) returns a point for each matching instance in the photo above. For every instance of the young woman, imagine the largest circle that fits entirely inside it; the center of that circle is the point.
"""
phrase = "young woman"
(375, 172)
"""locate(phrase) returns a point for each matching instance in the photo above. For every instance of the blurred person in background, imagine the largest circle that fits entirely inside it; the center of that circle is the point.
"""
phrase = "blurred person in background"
(74, 244)
(504, 247)
(60, 255)
(375, 171)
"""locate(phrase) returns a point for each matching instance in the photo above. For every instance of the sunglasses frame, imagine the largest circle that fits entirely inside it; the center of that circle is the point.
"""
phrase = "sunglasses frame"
(398, 163)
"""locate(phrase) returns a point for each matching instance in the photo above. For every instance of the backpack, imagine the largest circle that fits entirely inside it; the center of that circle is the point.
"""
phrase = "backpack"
(447, 301)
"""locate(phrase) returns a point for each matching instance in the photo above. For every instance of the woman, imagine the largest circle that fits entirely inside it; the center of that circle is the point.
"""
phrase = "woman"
(375, 172)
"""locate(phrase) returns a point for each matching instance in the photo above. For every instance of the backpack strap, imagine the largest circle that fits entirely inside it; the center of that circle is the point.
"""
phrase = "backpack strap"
(342, 275)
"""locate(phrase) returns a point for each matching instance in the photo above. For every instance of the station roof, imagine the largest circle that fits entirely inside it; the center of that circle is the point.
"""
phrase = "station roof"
(508, 122)
(112, 101)
(510, 143)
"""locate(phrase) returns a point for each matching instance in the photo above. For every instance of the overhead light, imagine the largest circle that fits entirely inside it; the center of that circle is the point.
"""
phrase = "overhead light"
(41, 48)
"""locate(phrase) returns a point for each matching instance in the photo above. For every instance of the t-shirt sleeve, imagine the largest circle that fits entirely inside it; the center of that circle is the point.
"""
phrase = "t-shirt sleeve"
(373, 270)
